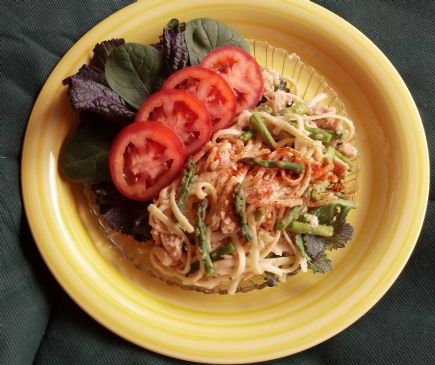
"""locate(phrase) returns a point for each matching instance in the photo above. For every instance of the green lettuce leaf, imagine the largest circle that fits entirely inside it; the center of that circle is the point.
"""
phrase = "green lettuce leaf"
(204, 35)
(134, 71)
(83, 157)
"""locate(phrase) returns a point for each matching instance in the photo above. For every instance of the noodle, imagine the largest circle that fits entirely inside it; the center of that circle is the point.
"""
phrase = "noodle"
(347, 121)
(316, 145)
(254, 246)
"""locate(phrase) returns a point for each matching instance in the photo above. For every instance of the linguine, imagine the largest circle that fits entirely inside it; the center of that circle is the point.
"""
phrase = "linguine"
(286, 155)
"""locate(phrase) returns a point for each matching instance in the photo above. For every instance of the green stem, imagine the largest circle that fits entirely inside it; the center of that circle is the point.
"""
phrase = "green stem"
(200, 233)
(239, 201)
(345, 159)
(214, 255)
(297, 108)
(319, 134)
(262, 130)
(291, 216)
(222, 250)
(273, 164)
(246, 136)
(336, 153)
(305, 228)
(186, 182)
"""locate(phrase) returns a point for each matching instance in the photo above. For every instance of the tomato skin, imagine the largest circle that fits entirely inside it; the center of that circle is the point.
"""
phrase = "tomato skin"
(209, 87)
(183, 113)
(145, 153)
(240, 70)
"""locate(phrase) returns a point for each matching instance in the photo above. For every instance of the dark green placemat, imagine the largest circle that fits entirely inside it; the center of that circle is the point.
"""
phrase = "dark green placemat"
(40, 323)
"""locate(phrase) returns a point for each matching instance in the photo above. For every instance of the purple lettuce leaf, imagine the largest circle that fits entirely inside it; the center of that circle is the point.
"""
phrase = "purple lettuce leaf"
(88, 95)
(89, 73)
(92, 73)
(102, 52)
(172, 45)
(320, 265)
(122, 214)
(342, 234)
(314, 246)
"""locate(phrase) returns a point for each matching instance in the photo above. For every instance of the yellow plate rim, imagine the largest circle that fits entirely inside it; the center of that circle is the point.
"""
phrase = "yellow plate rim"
(88, 300)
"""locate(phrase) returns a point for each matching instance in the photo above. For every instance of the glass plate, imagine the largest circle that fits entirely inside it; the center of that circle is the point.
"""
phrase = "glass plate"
(312, 84)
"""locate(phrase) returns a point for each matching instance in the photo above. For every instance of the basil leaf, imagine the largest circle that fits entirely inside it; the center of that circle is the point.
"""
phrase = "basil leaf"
(133, 71)
(84, 155)
(202, 35)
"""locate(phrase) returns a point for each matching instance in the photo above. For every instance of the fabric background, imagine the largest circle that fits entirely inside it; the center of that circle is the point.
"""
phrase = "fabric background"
(40, 324)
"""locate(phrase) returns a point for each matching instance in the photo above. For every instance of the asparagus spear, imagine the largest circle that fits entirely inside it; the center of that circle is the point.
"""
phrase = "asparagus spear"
(319, 134)
(345, 159)
(297, 108)
(200, 233)
(286, 165)
(246, 136)
(336, 153)
(186, 182)
(239, 201)
(291, 216)
(262, 130)
(222, 250)
(322, 230)
(215, 255)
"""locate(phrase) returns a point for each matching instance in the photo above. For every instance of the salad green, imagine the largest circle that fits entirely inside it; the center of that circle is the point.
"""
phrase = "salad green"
(108, 90)
(204, 35)
(134, 71)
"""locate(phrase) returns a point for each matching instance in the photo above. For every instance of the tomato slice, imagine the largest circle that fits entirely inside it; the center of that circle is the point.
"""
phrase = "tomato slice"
(240, 70)
(144, 158)
(211, 89)
(182, 112)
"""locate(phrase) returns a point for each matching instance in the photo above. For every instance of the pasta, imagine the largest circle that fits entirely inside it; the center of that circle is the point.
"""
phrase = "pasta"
(312, 177)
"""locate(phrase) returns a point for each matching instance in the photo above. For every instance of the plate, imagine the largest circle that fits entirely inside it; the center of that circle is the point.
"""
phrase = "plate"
(260, 325)
(310, 84)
